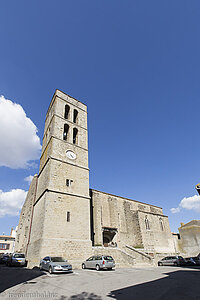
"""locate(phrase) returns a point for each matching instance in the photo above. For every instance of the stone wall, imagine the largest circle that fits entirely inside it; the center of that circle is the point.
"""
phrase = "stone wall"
(23, 231)
(157, 237)
(189, 243)
(53, 235)
(128, 217)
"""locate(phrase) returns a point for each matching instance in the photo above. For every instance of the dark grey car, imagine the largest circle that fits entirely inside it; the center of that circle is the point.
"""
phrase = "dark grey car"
(99, 262)
(172, 261)
(55, 264)
(5, 258)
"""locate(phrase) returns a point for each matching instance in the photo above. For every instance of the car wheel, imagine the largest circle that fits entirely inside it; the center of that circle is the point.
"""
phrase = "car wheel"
(50, 270)
(83, 266)
(97, 267)
(160, 264)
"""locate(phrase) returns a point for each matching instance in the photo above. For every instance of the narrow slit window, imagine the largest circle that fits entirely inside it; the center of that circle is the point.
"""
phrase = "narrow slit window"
(68, 216)
(67, 108)
(26, 232)
(147, 223)
(18, 238)
(65, 133)
(161, 224)
(75, 118)
(75, 136)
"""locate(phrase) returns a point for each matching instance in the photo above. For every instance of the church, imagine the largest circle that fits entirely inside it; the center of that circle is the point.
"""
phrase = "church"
(62, 216)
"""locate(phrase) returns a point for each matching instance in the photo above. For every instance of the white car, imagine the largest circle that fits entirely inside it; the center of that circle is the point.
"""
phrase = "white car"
(16, 259)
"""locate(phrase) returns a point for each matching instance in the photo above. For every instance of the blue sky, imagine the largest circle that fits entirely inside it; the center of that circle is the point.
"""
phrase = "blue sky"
(136, 65)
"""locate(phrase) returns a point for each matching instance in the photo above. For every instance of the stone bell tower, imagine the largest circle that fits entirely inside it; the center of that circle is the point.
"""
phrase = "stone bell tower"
(61, 212)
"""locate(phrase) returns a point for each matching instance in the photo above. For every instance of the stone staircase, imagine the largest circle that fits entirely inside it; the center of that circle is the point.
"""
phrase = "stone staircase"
(141, 258)
(126, 256)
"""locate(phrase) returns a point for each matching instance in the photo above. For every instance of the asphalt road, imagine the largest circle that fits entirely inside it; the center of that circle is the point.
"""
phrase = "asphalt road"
(166, 283)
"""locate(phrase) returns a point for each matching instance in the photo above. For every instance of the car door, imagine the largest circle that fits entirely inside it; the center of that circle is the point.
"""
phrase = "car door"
(173, 260)
(42, 263)
(165, 261)
(99, 261)
(45, 263)
(94, 262)
(89, 262)
(48, 263)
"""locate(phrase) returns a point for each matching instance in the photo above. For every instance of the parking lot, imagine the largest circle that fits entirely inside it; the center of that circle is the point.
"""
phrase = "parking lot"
(137, 283)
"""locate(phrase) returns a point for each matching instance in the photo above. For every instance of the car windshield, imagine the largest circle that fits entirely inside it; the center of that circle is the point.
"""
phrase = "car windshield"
(108, 258)
(19, 255)
(58, 259)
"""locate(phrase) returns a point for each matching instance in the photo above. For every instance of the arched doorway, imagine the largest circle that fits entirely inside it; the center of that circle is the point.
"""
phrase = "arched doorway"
(108, 236)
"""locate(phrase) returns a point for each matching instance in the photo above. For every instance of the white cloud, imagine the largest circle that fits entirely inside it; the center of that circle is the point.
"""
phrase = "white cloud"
(11, 202)
(28, 179)
(20, 143)
(175, 210)
(189, 203)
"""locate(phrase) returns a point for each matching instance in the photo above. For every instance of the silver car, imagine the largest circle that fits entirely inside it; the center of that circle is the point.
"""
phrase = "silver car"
(55, 264)
(172, 261)
(99, 262)
(16, 259)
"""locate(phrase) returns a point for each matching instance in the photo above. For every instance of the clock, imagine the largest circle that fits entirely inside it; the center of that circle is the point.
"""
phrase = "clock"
(71, 154)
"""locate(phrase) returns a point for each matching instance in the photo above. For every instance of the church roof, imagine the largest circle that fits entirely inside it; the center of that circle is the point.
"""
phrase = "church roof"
(191, 223)
(125, 198)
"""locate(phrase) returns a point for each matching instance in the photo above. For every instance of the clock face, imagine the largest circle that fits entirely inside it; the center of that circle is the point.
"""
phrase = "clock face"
(71, 154)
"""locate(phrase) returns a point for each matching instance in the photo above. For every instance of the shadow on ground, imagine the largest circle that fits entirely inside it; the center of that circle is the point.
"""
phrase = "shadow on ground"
(181, 284)
(82, 296)
(11, 276)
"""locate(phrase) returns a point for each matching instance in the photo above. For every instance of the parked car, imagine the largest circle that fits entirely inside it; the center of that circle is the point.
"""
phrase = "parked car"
(190, 261)
(16, 259)
(196, 260)
(99, 262)
(55, 264)
(1, 257)
(5, 258)
(172, 261)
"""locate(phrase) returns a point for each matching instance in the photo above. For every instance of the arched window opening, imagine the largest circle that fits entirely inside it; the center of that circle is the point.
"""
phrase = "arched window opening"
(75, 136)
(161, 224)
(67, 108)
(147, 223)
(65, 133)
(75, 116)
